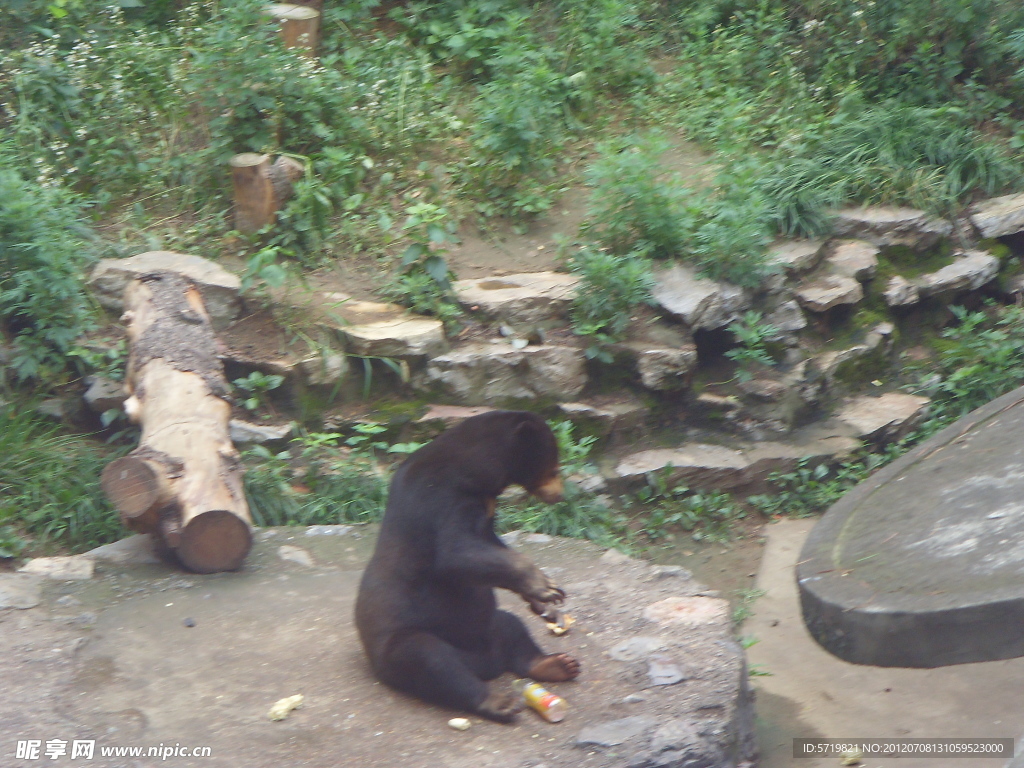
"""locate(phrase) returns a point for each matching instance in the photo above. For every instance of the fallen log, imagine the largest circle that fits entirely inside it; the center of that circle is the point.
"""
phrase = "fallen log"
(183, 483)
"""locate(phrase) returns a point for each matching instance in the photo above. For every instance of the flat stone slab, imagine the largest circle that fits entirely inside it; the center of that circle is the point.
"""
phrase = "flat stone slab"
(143, 654)
(19, 590)
(745, 466)
(73, 568)
(829, 291)
(886, 225)
(999, 216)
(486, 374)
(889, 415)
(221, 290)
(521, 298)
(922, 565)
(698, 302)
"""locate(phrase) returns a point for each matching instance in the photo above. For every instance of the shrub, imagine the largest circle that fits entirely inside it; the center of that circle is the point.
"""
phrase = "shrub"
(43, 255)
(634, 206)
(610, 289)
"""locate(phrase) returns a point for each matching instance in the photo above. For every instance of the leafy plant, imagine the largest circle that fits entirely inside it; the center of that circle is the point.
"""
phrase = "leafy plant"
(43, 254)
(753, 336)
(664, 506)
(11, 544)
(259, 386)
(319, 482)
(610, 290)
(634, 206)
(813, 487)
(980, 358)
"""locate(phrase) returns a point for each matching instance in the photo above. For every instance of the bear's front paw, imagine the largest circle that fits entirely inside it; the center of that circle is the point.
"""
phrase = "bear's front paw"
(543, 592)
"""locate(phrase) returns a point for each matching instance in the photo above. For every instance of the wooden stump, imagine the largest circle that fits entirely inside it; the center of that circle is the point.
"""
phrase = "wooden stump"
(261, 189)
(299, 26)
(184, 481)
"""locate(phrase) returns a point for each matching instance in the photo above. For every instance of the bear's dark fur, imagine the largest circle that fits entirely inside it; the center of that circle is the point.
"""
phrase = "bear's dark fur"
(426, 610)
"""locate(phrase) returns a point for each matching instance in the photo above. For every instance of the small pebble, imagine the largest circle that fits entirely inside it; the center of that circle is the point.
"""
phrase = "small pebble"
(459, 723)
(189, 622)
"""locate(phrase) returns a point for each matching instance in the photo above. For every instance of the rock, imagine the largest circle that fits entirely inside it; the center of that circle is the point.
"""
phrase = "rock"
(615, 557)
(132, 550)
(889, 416)
(700, 303)
(246, 432)
(828, 292)
(676, 734)
(765, 390)
(520, 298)
(901, 292)
(611, 416)
(613, 732)
(104, 394)
(712, 401)
(796, 255)
(491, 373)
(20, 590)
(788, 317)
(968, 273)
(999, 216)
(854, 258)
(328, 530)
(689, 611)
(829, 363)
(325, 369)
(697, 465)
(667, 369)
(446, 416)
(636, 648)
(714, 467)
(53, 408)
(663, 670)
(406, 336)
(73, 568)
(295, 555)
(221, 290)
(888, 225)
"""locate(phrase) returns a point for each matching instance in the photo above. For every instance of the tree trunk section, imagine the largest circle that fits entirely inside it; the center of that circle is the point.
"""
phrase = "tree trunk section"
(261, 189)
(299, 26)
(184, 481)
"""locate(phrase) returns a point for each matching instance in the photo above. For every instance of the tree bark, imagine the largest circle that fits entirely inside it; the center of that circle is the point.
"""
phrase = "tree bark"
(299, 26)
(261, 189)
(184, 481)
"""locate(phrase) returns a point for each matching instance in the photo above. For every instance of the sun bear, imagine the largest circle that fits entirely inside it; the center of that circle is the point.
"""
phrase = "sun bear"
(426, 611)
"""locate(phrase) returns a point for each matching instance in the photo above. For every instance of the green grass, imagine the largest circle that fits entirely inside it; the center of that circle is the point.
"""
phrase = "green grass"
(50, 483)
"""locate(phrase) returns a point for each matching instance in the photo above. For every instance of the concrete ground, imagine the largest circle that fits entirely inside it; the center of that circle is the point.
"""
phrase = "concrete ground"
(143, 655)
(809, 693)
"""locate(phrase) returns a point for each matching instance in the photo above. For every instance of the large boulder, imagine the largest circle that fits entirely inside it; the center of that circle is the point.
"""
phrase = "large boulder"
(888, 416)
(999, 216)
(220, 289)
(700, 303)
(970, 271)
(854, 258)
(520, 298)
(796, 256)
(829, 291)
(889, 225)
(479, 374)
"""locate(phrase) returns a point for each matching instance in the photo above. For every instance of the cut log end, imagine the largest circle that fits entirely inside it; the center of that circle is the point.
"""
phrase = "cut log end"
(136, 489)
(214, 541)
